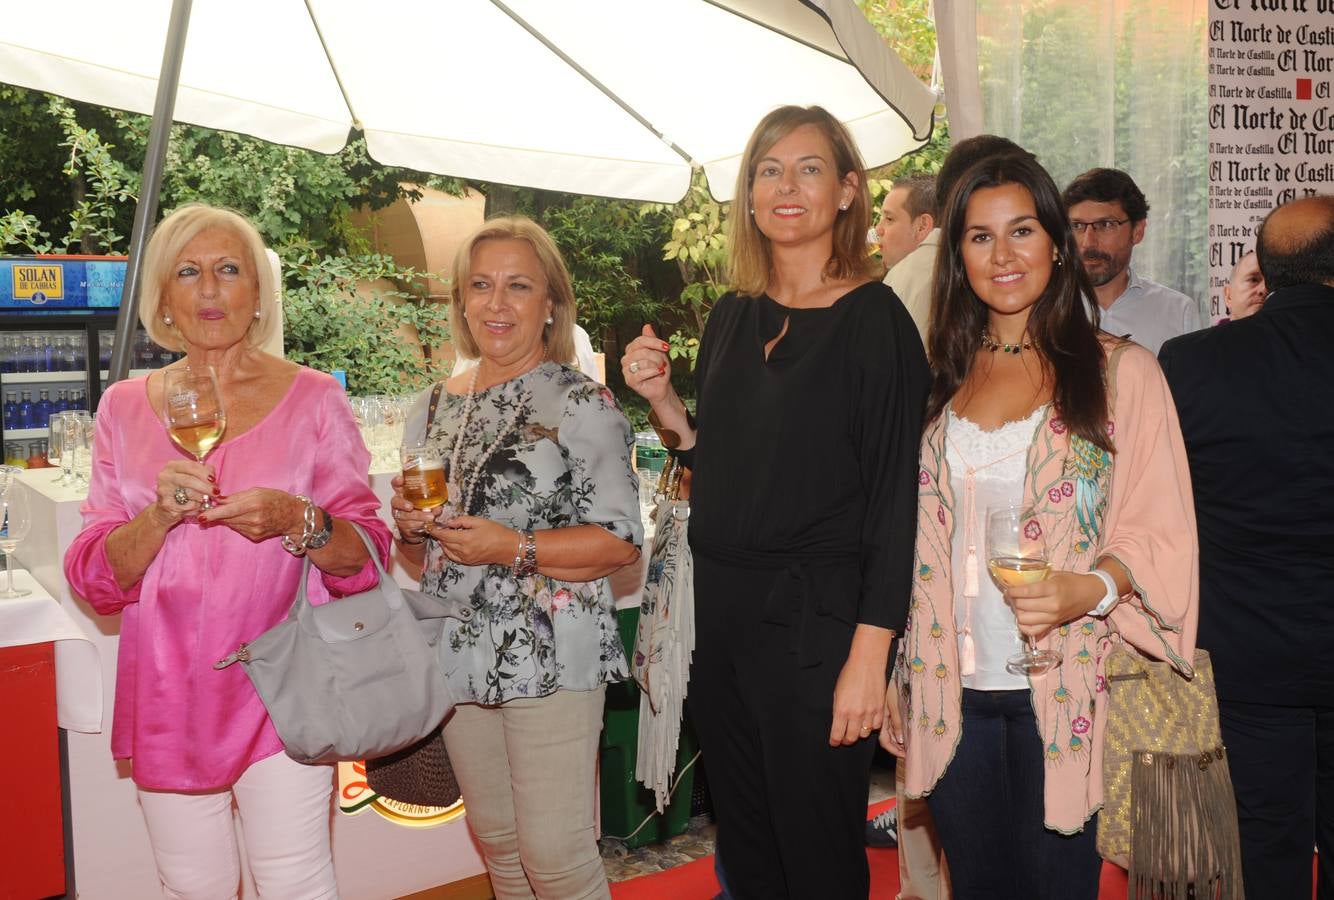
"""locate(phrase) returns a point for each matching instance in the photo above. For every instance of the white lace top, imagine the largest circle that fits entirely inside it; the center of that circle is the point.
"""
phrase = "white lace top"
(998, 457)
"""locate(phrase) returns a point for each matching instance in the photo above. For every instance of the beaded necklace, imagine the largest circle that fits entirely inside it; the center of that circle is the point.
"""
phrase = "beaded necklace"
(468, 485)
(990, 343)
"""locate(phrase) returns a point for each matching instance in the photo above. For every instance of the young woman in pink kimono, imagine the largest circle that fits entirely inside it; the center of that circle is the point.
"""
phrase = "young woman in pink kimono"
(1032, 405)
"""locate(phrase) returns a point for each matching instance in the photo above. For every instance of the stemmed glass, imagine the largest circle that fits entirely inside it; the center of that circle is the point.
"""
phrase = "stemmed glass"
(79, 434)
(192, 410)
(15, 520)
(1016, 555)
(55, 443)
(7, 474)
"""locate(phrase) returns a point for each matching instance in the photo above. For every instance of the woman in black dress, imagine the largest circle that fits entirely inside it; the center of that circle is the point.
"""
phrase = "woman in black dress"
(810, 384)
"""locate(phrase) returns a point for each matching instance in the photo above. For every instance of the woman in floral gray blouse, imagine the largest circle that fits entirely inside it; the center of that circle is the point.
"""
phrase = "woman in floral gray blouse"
(543, 506)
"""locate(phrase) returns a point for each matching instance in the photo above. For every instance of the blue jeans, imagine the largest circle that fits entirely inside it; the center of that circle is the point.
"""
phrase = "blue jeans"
(988, 811)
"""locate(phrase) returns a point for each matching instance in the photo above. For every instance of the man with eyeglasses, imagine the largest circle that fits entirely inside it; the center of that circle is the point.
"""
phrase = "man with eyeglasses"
(1108, 214)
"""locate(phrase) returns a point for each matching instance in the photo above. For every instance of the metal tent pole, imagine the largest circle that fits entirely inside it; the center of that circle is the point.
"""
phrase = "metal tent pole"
(145, 214)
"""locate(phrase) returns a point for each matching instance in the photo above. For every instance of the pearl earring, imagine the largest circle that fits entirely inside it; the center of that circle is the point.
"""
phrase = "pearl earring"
(843, 206)
(167, 319)
(256, 314)
(752, 210)
(551, 320)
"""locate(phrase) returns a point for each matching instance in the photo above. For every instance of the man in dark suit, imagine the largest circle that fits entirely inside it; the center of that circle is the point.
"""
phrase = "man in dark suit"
(1256, 403)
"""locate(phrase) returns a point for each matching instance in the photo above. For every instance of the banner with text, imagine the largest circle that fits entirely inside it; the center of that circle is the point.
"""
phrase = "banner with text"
(1271, 119)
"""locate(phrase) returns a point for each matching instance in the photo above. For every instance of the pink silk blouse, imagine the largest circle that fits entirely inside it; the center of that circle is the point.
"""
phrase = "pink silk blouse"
(186, 725)
(1134, 505)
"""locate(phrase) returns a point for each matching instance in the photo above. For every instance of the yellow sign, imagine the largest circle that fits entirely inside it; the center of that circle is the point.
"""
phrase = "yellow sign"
(38, 283)
(355, 794)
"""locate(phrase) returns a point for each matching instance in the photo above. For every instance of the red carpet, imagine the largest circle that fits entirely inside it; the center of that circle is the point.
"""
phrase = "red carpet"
(695, 881)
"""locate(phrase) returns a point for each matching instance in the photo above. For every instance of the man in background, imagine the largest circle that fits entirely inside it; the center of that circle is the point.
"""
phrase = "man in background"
(1256, 404)
(1108, 214)
(1245, 291)
(908, 241)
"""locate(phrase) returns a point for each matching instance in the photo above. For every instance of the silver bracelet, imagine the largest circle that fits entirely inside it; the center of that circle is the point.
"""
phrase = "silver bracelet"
(403, 538)
(299, 547)
(525, 556)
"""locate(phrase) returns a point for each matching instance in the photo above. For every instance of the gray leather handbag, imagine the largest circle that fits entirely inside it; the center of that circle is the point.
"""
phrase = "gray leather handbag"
(355, 678)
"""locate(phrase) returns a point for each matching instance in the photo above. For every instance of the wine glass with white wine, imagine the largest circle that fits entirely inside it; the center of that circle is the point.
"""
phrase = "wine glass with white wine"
(1016, 555)
(15, 521)
(192, 410)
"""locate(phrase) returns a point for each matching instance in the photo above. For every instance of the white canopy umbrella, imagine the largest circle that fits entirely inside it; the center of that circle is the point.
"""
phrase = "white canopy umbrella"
(615, 98)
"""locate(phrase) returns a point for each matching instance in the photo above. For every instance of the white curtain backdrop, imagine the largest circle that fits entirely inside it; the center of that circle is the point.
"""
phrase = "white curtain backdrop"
(1084, 83)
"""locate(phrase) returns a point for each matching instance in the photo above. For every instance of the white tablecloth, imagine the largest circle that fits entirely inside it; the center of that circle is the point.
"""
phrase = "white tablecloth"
(38, 618)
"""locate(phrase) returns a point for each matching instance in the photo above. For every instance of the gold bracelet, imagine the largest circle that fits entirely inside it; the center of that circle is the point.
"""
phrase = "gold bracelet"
(670, 439)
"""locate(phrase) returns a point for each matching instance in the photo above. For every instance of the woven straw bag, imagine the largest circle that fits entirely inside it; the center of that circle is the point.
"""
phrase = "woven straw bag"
(420, 774)
(1168, 813)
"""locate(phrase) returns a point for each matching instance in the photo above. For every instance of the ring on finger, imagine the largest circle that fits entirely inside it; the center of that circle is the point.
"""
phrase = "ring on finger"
(866, 729)
(180, 496)
(398, 513)
(634, 367)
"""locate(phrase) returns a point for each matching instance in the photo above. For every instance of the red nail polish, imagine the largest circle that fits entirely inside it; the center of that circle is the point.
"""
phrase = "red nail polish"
(217, 491)
(666, 346)
(211, 478)
(662, 368)
(202, 520)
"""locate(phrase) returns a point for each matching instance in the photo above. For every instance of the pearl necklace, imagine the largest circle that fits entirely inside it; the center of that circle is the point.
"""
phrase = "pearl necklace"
(468, 485)
(990, 343)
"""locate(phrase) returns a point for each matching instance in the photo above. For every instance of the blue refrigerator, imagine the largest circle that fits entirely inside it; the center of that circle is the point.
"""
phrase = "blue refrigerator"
(57, 325)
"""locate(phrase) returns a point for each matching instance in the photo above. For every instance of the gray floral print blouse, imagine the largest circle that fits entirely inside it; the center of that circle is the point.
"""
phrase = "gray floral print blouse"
(566, 463)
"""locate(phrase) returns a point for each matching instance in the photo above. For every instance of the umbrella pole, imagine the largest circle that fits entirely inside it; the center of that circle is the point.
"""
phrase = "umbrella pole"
(146, 211)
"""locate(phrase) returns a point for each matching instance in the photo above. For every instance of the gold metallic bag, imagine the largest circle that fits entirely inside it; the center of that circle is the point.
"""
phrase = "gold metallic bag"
(1168, 815)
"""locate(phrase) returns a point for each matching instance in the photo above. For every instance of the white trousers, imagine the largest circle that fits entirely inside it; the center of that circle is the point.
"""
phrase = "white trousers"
(526, 770)
(285, 811)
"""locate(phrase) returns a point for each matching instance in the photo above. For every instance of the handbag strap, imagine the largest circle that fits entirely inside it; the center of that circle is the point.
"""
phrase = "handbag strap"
(303, 612)
(430, 409)
(389, 588)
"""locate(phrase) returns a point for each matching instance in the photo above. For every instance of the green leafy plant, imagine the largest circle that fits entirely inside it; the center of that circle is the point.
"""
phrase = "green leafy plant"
(378, 336)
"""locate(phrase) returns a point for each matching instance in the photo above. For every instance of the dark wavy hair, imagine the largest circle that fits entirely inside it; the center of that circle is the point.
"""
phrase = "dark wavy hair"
(1108, 186)
(1061, 324)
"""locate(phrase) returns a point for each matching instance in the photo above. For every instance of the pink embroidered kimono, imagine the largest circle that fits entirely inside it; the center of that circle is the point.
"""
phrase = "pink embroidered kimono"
(1134, 505)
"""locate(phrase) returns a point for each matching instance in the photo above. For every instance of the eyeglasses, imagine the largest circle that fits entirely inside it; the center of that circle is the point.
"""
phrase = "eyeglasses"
(1102, 226)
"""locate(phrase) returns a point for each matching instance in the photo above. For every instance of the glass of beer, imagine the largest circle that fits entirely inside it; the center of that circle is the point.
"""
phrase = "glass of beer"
(192, 410)
(425, 475)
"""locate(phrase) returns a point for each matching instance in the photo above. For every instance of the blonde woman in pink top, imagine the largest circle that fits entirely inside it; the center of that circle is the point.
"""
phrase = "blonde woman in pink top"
(191, 582)
(1032, 405)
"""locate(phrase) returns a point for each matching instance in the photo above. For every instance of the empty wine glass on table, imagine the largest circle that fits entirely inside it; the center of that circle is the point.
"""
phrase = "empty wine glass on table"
(79, 432)
(1017, 555)
(192, 410)
(55, 442)
(69, 424)
(15, 521)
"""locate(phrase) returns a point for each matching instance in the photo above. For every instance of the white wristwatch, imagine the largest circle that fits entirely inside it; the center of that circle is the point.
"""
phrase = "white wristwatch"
(1109, 599)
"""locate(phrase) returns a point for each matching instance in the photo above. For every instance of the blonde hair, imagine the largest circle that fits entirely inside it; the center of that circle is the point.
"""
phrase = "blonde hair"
(558, 337)
(749, 256)
(170, 237)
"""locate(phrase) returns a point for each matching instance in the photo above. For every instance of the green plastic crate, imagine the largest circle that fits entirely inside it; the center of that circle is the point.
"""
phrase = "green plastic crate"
(625, 802)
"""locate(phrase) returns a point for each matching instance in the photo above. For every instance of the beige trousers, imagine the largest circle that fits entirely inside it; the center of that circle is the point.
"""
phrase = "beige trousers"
(923, 874)
(527, 771)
